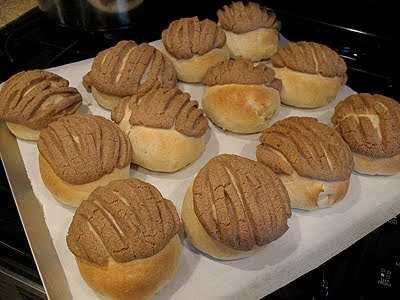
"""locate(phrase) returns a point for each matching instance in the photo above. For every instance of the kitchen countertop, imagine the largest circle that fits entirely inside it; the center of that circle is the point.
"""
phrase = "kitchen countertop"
(12, 9)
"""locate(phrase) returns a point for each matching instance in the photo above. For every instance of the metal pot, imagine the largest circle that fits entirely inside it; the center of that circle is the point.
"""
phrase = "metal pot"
(92, 14)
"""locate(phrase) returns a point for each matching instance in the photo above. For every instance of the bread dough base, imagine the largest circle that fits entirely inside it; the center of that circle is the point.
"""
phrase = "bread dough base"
(138, 279)
(104, 100)
(193, 69)
(241, 108)
(199, 237)
(74, 194)
(255, 45)
(306, 90)
(376, 166)
(161, 150)
(23, 132)
(312, 194)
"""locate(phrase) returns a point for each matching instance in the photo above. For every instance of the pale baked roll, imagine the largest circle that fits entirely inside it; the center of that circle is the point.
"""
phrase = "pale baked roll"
(166, 128)
(311, 74)
(127, 69)
(370, 125)
(79, 153)
(193, 46)
(251, 31)
(125, 240)
(310, 158)
(30, 100)
(239, 97)
(234, 207)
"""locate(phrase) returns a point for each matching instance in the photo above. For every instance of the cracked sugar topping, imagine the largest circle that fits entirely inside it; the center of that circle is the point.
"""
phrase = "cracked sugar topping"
(164, 108)
(83, 148)
(240, 18)
(370, 124)
(311, 58)
(36, 98)
(305, 146)
(127, 69)
(124, 220)
(187, 37)
(240, 202)
(241, 71)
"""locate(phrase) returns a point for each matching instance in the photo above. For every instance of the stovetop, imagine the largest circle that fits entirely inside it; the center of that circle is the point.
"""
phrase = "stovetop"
(365, 39)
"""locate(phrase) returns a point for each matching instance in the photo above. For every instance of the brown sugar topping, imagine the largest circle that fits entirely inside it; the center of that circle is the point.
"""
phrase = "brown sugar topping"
(187, 37)
(241, 71)
(127, 69)
(125, 220)
(36, 98)
(240, 18)
(311, 58)
(240, 202)
(164, 108)
(83, 148)
(304, 145)
(370, 124)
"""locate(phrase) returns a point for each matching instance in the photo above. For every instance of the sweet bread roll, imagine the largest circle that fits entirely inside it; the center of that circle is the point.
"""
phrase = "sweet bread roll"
(370, 124)
(251, 31)
(240, 97)
(193, 46)
(125, 240)
(127, 69)
(234, 207)
(310, 158)
(30, 100)
(80, 152)
(311, 74)
(165, 128)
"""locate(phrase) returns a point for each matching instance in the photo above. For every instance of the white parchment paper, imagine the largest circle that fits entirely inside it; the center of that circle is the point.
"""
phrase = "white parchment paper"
(312, 238)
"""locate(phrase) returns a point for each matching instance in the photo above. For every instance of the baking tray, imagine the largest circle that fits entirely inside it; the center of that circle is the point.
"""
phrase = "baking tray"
(312, 238)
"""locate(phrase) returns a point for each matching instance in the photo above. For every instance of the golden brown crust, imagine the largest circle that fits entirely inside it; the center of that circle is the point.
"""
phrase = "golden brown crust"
(240, 18)
(139, 279)
(370, 124)
(127, 69)
(303, 145)
(164, 108)
(187, 37)
(36, 98)
(240, 202)
(241, 71)
(125, 220)
(311, 58)
(83, 148)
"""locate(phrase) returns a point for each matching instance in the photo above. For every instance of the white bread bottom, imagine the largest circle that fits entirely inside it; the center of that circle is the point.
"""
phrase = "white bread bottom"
(256, 45)
(241, 108)
(74, 194)
(199, 237)
(193, 69)
(23, 132)
(376, 166)
(104, 100)
(138, 279)
(306, 90)
(312, 194)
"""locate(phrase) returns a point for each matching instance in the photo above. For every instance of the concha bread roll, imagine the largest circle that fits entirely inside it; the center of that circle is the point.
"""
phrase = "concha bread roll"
(125, 240)
(193, 46)
(234, 207)
(127, 69)
(251, 31)
(30, 100)
(80, 152)
(370, 125)
(311, 74)
(166, 128)
(240, 97)
(310, 158)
